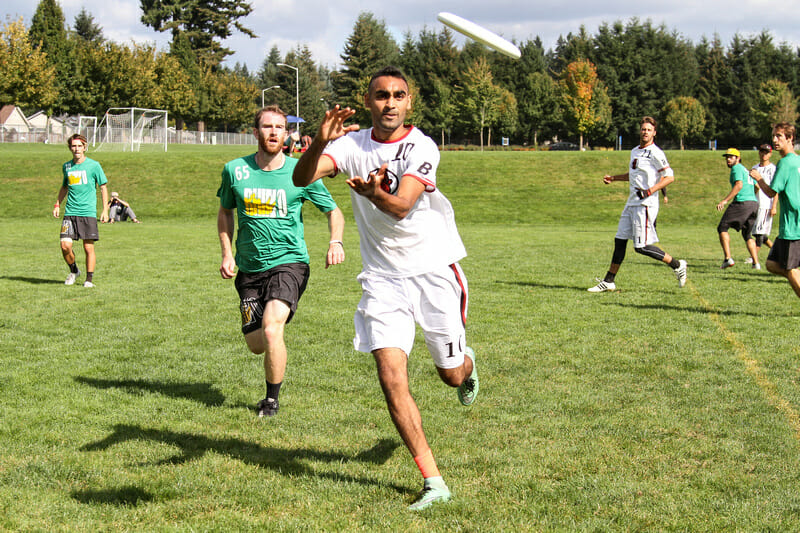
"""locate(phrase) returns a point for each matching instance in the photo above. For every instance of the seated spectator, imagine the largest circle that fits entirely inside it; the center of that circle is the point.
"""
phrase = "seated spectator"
(119, 210)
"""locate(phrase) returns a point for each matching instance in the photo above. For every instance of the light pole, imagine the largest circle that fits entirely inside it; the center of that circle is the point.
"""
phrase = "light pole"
(265, 90)
(297, 93)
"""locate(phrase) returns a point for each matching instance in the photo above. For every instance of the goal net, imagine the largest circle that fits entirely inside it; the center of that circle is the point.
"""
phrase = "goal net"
(129, 128)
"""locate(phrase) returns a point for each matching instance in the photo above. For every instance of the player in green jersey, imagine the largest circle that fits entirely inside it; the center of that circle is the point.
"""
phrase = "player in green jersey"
(82, 176)
(271, 251)
(741, 213)
(784, 257)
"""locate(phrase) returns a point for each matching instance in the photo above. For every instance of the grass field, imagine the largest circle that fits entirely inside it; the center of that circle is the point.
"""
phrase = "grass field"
(129, 406)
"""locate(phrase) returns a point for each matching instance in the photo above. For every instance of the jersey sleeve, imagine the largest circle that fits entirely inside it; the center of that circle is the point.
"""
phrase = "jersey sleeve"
(423, 163)
(779, 178)
(225, 193)
(319, 195)
(99, 175)
(661, 164)
(337, 151)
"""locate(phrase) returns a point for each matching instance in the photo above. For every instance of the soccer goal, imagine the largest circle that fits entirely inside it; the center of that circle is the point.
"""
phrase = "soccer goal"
(128, 128)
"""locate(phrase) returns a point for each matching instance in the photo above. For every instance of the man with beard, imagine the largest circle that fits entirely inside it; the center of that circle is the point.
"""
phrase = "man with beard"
(648, 173)
(271, 252)
(741, 213)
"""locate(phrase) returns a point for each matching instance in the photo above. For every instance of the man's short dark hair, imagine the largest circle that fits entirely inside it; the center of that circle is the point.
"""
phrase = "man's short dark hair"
(78, 136)
(787, 129)
(649, 120)
(274, 108)
(390, 71)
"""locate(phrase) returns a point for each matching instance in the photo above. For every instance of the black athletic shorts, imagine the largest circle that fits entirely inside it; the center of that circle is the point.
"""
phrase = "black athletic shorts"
(740, 216)
(283, 282)
(785, 253)
(77, 228)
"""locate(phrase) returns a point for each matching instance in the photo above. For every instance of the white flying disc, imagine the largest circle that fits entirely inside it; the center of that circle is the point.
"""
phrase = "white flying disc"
(480, 34)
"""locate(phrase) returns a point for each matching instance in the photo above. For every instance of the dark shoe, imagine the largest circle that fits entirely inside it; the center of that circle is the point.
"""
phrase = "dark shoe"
(267, 407)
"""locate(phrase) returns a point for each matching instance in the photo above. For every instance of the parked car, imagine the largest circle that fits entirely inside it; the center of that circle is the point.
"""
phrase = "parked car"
(563, 145)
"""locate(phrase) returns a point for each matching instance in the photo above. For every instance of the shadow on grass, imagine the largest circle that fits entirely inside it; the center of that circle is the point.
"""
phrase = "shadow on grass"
(285, 461)
(123, 496)
(581, 288)
(690, 309)
(33, 281)
(204, 393)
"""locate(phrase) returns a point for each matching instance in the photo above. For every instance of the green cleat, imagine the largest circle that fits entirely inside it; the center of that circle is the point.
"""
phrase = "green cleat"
(431, 494)
(468, 391)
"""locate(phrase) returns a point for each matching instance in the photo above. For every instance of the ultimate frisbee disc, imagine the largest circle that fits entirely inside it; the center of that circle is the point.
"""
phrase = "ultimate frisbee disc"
(480, 34)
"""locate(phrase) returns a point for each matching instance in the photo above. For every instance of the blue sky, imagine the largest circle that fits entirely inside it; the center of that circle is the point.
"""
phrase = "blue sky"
(324, 26)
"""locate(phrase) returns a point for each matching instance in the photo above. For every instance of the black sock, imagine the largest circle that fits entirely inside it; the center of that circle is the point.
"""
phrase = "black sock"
(73, 268)
(89, 276)
(273, 389)
(609, 277)
(674, 263)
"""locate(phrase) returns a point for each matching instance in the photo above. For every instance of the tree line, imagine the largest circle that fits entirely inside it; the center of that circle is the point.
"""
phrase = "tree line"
(588, 88)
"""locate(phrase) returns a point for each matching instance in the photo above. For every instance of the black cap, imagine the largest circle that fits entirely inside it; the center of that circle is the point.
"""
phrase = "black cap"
(766, 147)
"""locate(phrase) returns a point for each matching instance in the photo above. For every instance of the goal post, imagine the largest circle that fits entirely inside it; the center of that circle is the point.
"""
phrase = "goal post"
(87, 126)
(128, 128)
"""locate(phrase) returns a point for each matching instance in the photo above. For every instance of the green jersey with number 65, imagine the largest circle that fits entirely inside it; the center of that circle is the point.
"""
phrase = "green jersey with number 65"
(270, 212)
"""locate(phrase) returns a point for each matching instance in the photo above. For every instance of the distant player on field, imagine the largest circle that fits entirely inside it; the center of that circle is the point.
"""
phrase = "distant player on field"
(410, 249)
(784, 257)
(648, 172)
(767, 207)
(741, 214)
(81, 177)
(271, 251)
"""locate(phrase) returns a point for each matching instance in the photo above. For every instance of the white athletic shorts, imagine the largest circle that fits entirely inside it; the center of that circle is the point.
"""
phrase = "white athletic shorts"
(637, 224)
(390, 307)
(763, 222)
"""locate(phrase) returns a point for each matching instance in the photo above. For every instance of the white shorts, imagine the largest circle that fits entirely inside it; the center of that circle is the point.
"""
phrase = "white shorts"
(637, 224)
(390, 307)
(763, 222)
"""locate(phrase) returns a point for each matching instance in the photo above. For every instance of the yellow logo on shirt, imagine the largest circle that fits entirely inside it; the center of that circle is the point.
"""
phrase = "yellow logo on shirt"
(268, 203)
(76, 177)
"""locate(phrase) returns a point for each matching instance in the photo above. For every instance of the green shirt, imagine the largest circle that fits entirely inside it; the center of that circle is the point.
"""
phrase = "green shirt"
(81, 182)
(269, 210)
(787, 184)
(748, 192)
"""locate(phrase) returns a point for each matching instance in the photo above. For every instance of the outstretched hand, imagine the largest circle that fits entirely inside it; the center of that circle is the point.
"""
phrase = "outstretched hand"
(333, 127)
(369, 187)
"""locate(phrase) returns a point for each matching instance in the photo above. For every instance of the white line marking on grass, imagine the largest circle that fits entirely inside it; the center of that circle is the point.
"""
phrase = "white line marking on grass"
(752, 366)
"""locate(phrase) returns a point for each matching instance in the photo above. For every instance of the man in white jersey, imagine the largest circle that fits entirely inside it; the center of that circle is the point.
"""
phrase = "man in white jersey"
(410, 250)
(647, 173)
(767, 207)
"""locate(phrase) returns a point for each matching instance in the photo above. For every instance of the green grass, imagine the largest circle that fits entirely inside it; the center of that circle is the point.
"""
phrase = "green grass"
(129, 406)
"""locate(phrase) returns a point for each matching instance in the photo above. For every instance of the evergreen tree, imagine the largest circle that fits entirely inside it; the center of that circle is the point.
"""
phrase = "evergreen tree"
(86, 29)
(368, 49)
(48, 34)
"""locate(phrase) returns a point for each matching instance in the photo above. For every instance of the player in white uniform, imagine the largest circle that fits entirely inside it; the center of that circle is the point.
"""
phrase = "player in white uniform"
(409, 247)
(647, 173)
(767, 207)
